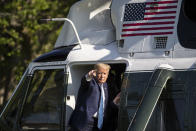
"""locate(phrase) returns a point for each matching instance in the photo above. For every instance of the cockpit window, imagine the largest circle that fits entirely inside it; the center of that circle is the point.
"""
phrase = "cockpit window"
(14, 106)
(44, 101)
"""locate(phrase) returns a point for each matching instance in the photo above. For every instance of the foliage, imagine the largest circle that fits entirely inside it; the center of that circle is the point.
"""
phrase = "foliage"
(23, 37)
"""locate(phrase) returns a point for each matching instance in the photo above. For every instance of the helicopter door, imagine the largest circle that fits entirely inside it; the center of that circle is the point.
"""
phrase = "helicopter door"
(43, 107)
(77, 71)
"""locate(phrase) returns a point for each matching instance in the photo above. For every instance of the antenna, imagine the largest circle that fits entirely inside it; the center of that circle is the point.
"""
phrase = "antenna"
(72, 24)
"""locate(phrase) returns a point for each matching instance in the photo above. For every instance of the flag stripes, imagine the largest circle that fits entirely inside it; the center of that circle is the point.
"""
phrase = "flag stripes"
(149, 18)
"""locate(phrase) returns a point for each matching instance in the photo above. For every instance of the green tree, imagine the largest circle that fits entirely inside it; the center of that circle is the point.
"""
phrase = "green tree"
(23, 37)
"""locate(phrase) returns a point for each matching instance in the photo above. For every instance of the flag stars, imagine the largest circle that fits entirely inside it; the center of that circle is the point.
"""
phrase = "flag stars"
(134, 11)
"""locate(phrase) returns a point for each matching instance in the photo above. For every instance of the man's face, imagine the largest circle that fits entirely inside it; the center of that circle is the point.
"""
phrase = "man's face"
(102, 75)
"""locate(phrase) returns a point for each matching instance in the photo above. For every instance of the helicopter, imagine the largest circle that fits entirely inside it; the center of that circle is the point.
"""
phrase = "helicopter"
(150, 46)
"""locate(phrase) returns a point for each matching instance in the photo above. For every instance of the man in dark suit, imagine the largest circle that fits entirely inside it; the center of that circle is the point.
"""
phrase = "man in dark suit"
(92, 103)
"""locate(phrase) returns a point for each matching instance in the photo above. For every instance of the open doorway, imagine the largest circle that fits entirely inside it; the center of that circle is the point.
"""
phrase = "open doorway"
(77, 71)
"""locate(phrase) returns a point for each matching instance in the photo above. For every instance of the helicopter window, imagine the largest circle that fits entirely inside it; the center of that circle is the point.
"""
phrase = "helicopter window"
(168, 114)
(170, 110)
(187, 25)
(189, 8)
(44, 101)
(15, 103)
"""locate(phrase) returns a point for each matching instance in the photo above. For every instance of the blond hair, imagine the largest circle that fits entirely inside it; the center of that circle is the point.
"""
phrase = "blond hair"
(102, 65)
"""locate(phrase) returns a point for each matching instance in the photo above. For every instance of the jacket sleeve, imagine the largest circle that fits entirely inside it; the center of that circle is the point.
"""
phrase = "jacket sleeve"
(84, 82)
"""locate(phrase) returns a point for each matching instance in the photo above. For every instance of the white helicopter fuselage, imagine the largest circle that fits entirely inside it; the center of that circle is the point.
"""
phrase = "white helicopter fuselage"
(152, 61)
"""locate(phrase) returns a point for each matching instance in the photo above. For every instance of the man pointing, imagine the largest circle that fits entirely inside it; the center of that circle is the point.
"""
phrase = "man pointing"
(92, 102)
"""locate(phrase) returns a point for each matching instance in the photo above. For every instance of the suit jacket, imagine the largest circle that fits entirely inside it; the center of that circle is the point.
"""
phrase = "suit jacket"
(87, 103)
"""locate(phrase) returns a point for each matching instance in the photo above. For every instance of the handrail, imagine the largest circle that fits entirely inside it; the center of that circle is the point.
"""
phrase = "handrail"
(155, 87)
(74, 28)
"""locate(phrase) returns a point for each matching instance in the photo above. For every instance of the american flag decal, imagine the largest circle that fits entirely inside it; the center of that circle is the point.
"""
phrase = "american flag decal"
(149, 18)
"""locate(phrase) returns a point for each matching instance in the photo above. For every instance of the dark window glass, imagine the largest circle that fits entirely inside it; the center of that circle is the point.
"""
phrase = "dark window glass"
(187, 24)
(42, 109)
(13, 107)
(189, 8)
(169, 112)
